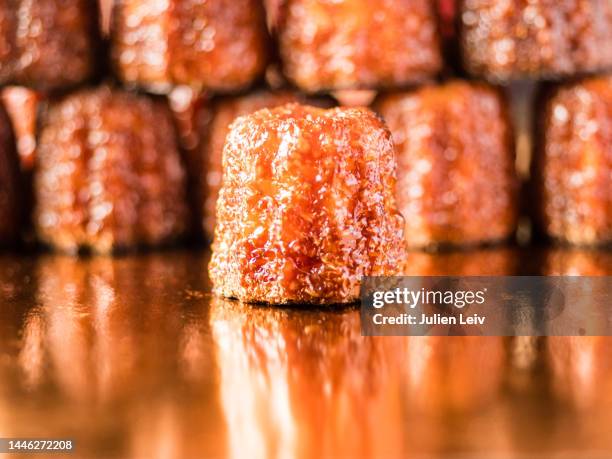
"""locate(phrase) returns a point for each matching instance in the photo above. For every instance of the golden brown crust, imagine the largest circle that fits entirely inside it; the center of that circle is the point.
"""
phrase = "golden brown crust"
(217, 45)
(456, 177)
(353, 44)
(536, 39)
(48, 44)
(307, 206)
(10, 215)
(573, 165)
(109, 173)
(220, 117)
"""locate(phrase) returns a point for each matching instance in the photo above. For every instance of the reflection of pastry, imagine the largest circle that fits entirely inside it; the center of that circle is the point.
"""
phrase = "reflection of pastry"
(48, 44)
(302, 384)
(581, 369)
(482, 262)
(573, 164)
(536, 39)
(218, 45)
(220, 116)
(454, 373)
(577, 262)
(306, 207)
(456, 177)
(96, 337)
(352, 44)
(10, 214)
(109, 173)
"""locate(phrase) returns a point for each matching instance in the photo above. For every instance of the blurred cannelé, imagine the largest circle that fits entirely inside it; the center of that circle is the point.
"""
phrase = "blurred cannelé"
(190, 110)
(539, 39)
(307, 206)
(48, 44)
(109, 174)
(356, 44)
(214, 122)
(572, 168)
(218, 45)
(456, 178)
(22, 107)
(292, 383)
(10, 183)
(106, 9)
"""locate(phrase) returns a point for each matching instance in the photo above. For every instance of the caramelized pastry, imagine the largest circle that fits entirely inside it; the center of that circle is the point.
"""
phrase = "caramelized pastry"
(109, 173)
(218, 45)
(355, 44)
(306, 207)
(539, 39)
(48, 44)
(221, 115)
(10, 215)
(456, 177)
(573, 164)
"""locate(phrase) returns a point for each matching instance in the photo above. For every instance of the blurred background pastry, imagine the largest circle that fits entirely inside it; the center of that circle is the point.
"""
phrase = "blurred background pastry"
(22, 105)
(356, 44)
(48, 44)
(572, 169)
(218, 45)
(456, 174)
(109, 173)
(306, 206)
(538, 39)
(10, 189)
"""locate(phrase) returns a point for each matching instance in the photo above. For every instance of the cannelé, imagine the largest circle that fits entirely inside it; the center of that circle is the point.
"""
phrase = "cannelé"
(109, 174)
(353, 44)
(572, 169)
(214, 125)
(538, 39)
(456, 176)
(218, 45)
(10, 213)
(307, 206)
(48, 44)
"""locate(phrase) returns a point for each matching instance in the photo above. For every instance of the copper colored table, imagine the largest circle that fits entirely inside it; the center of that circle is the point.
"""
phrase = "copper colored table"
(132, 358)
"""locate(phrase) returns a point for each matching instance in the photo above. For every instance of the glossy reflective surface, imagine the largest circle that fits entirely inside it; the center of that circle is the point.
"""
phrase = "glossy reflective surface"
(132, 358)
